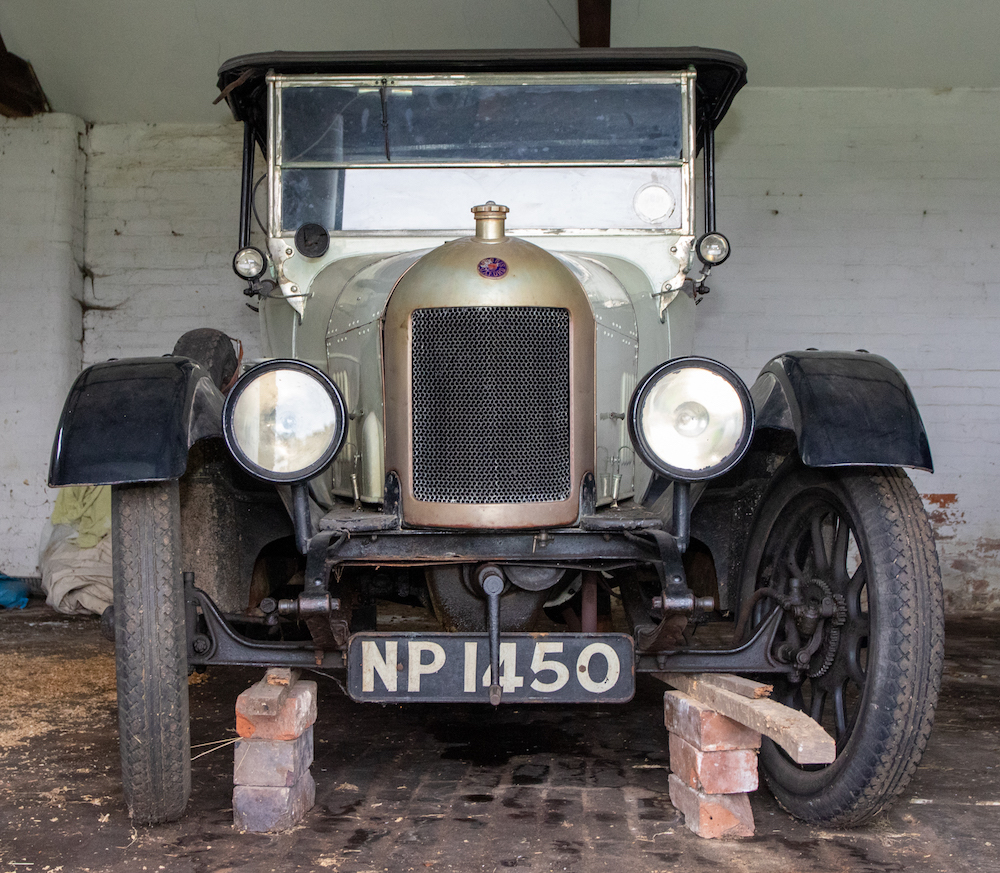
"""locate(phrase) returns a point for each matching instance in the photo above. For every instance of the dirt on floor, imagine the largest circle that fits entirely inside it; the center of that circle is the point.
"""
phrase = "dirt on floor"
(456, 788)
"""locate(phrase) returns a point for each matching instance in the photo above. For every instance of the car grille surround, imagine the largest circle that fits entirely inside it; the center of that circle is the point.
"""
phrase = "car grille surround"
(490, 395)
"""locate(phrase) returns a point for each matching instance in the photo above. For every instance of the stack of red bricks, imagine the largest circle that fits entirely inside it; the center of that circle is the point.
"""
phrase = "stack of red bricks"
(713, 767)
(273, 788)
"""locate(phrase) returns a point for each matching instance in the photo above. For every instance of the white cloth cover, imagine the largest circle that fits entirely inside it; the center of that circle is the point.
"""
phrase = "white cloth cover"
(75, 580)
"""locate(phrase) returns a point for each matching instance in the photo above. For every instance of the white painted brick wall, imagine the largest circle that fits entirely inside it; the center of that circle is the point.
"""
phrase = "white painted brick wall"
(162, 229)
(41, 250)
(859, 219)
(868, 219)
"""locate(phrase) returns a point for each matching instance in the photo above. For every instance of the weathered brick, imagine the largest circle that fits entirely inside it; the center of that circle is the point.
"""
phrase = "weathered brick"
(276, 763)
(712, 815)
(262, 699)
(41, 253)
(729, 772)
(703, 727)
(157, 200)
(295, 715)
(261, 808)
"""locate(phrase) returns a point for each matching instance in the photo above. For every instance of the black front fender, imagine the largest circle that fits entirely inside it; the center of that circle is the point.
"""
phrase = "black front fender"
(133, 421)
(845, 408)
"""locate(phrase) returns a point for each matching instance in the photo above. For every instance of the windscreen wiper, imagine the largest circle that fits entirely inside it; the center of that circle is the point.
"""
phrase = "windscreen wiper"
(383, 92)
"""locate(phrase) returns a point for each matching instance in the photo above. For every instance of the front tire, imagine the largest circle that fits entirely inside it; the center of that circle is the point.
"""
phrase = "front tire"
(213, 350)
(151, 651)
(859, 538)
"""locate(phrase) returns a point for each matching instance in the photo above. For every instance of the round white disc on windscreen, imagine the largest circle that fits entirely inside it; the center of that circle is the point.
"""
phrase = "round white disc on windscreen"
(653, 203)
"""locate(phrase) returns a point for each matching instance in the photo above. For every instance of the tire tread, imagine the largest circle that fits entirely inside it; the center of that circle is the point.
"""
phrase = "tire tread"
(879, 766)
(211, 348)
(150, 649)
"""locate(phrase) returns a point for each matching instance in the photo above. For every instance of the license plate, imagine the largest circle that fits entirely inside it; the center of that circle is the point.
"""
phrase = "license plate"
(534, 668)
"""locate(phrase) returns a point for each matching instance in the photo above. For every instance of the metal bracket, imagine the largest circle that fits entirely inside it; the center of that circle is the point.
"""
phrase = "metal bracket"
(675, 595)
(220, 644)
(318, 562)
(754, 656)
(588, 495)
(301, 516)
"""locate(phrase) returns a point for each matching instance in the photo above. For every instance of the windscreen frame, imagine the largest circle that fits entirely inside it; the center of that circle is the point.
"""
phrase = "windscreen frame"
(685, 79)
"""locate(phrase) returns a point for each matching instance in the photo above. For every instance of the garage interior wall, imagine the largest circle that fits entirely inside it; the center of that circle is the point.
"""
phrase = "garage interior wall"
(41, 255)
(867, 219)
(859, 218)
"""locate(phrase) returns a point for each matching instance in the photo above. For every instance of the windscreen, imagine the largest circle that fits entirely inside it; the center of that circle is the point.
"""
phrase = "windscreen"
(464, 123)
(417, 155)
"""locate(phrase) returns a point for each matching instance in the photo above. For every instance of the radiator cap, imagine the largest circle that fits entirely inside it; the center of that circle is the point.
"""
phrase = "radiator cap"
(490, 219)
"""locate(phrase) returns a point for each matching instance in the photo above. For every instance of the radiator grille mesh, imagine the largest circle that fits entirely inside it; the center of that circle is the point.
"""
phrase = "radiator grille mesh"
(491, 404)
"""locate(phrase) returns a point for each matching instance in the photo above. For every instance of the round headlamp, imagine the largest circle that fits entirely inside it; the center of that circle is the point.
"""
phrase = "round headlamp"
(712, 249)
(691, 419)
(249, 263)
(285, 421)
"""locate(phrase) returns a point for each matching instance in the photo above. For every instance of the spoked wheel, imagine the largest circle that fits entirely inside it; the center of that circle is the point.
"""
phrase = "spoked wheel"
(150, 651)
(869, 635)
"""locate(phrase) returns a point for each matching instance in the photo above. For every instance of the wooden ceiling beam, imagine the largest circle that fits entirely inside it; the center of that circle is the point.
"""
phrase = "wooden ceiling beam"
(21, 94)
(595, 23)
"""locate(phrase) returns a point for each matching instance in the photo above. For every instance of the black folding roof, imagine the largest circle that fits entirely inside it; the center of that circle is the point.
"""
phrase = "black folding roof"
(720, 73)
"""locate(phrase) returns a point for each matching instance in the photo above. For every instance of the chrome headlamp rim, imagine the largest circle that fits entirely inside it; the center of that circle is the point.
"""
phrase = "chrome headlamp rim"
(263, 263)
(699, 248)
(313, 469)
(641, 444)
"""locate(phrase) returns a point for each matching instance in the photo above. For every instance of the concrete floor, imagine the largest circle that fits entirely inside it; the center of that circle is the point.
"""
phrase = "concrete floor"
(453, 788)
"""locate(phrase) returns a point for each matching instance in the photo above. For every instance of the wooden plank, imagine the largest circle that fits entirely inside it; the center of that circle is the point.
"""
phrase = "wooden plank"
(737, 684)
(281, 676)
(804, 740)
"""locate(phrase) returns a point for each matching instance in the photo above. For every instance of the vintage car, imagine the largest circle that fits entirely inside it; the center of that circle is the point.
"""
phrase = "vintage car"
(476, 274)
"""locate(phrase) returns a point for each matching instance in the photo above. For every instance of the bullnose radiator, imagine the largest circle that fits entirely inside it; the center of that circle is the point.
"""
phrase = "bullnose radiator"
(491, 404)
